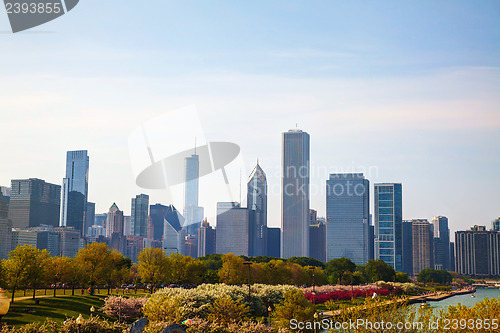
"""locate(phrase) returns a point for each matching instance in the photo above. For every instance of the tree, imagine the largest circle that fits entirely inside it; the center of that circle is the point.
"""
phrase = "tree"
(178, 265)
(195, 271)
(226, 310)
(294, 306)
(433, 275)
(378, 270)
(335, 268)
(117, 269)
(232, 271)
(402, 277)
(59, 270)
(25, 267)
(153, 266)
(93, 262)
(277, 272)
(306, 261)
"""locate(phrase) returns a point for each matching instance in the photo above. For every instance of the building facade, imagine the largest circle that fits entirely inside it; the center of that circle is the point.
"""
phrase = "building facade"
(5, 229)
(477, 252)
(295, 176)
(317, 241)
(75, 190)
(407, 239)
(232, 229)
(257, 211)
(273, 242)
(442, 258)
(34, 202)
(206, 239)
(422, 240)
(388, 224)
(139, 216)
(115, 221)
(495, 224)
(347, 216)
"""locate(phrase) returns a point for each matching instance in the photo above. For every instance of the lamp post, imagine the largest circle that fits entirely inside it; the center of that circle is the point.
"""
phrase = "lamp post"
(79, 322)
(248, 263)
(4, 305)
(92, 309)
(269, 309)
(315, 319)
(313, 268)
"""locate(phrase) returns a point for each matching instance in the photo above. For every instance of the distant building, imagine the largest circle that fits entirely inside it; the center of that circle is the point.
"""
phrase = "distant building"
(89, 215)
(127, 225)
(495, 224)
(206, 239)
(452, 257)
(173, 237)
(75, 190)
(422, 239)
(134, 246)
(273, 242)
(34, 202)
(294, 194)
(139, 216)
(193, 214)
(115, 221)
(407, 228)
(317, 241)
(22, 237)
(69, 241)
(157, 213)
(100, 220)
(347, 215)
(371, 242)
(232, 229)
(48, 239)
(5, 229)
(477, 252)
(441, 243)
(257, 211)
(5, 191)
(388, 224)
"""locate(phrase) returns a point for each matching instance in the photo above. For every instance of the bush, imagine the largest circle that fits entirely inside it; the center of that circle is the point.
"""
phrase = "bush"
(225, 310)
(126, 308)
(294, 306)
(93, 325)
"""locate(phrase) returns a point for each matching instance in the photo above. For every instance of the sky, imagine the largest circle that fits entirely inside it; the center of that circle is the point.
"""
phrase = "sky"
(403, 91)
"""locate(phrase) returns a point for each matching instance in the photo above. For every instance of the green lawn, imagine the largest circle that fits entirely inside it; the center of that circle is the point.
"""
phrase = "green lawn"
(78, 292)
(57, 309)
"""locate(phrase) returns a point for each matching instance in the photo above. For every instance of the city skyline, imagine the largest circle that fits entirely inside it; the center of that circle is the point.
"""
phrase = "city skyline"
(417, 103)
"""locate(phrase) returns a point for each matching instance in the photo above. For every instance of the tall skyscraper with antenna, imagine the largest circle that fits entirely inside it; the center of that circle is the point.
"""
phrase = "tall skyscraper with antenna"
(295, 194)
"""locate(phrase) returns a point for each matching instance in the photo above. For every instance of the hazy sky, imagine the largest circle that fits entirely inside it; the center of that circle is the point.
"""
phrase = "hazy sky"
(409, 91)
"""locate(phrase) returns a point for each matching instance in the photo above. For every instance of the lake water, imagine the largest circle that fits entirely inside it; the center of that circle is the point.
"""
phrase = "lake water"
(466, 299)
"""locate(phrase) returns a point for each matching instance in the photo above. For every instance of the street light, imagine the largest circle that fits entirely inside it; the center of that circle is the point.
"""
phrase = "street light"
(4, 305)
(269, 309)
(79, 322)
(92, 309)
(315, 319)
(248, 263)
(313, 268)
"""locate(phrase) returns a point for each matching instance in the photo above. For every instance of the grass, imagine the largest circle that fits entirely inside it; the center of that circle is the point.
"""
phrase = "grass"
(58, 309)
(67, 292)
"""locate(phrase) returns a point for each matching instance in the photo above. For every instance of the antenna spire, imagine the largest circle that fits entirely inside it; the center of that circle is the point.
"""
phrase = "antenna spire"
(195, 145)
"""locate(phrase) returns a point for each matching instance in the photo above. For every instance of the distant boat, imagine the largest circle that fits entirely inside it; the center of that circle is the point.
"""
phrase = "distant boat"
(424, 305)
(473, 295)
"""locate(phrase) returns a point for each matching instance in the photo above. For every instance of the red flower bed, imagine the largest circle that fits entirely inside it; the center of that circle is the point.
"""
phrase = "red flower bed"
(342, 295)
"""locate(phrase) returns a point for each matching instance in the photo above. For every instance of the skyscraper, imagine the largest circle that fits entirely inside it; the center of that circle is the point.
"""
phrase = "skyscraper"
(192, 213)
(257, 212)
(139, 217)
(407, 238)
(422, 240)
(157, 214)
(173, 237)
(441, 243)
(495, 224)
(273, 242)
(34, 202)
(232, 229)
(295, 194)
(317, 241)
(477, 252)
(89, 215)
(347, 215)
(388, 221)
(75, 190)
(206, 239)
(5, 229)
(114, 221)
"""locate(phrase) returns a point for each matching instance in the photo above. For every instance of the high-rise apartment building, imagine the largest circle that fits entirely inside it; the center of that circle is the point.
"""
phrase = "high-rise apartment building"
(34, 202)
(347, 216)
(422, 240)
(232, 229)
(388, 224)
(139, 216)
(115, 221)
(257, 212)
(441, 243)
(295, 175)
(75, 190)
(477, 252)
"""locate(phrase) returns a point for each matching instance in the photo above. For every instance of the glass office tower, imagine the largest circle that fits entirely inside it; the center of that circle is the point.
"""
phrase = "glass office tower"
(257, 212)
(139, 216)
(75, 190)
(295, 194)
(388, 224)
(347, 216)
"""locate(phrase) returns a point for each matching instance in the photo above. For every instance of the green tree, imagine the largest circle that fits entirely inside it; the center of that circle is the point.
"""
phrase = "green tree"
(226, 310)
(277, 272)
(378, 270)
(335, 268)
(294, 306)
(92, 262)
(153, 266)
(402, 277)
(306, 261)
(433, 275)
(59, 270)
(232, 271)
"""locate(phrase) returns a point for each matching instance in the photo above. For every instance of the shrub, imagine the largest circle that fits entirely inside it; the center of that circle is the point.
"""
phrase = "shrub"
(126, 308)
(225, 310)
(294, 306)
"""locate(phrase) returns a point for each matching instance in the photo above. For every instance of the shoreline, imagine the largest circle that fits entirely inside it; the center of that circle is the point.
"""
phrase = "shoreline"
(440, 296)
